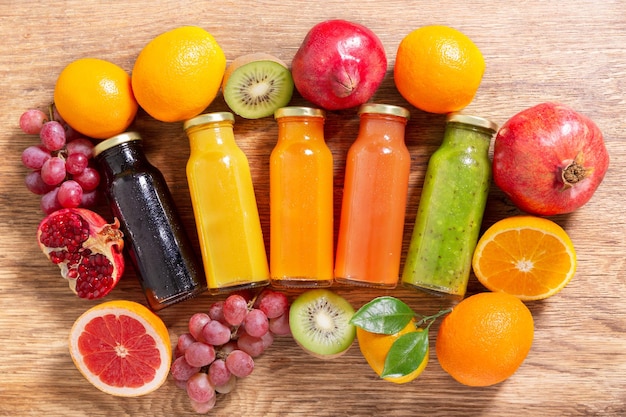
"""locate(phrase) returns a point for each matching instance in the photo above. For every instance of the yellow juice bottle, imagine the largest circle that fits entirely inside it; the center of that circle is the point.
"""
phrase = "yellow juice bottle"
(301, 201)
(224, 206)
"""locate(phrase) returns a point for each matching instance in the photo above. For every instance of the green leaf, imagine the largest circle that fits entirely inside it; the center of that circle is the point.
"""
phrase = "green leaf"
(383, 315)
(406, 354)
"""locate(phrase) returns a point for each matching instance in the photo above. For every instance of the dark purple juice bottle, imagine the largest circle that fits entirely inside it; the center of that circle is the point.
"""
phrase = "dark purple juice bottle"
(156, 241)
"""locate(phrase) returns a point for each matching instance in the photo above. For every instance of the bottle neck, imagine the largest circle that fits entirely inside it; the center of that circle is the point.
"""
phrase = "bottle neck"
(467, 136)
(382, 127)
(208, 136)
(124, 157)
(299, 128)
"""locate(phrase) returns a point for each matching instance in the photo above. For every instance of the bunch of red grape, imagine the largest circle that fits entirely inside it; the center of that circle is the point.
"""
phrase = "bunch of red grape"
(61, 168)
(221, 345)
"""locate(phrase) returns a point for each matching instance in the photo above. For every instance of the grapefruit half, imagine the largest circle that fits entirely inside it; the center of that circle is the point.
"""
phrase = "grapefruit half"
(122, 348)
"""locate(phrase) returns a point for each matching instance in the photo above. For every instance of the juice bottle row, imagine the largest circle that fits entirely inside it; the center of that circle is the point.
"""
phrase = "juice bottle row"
(302, 253)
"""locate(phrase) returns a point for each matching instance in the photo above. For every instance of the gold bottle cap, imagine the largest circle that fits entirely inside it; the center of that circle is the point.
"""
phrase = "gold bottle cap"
(384, 109)
(472, 120)
(298, 111)
(114, 141)
(208, 118)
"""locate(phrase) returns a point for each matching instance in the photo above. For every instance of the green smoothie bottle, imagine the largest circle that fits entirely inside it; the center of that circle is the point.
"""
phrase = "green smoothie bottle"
(451, 208)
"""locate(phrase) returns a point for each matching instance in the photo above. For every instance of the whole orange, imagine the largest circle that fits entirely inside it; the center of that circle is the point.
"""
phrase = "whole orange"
(178, 73)
(485, 338)
(438, 69)
(375, 347)
(95, 97)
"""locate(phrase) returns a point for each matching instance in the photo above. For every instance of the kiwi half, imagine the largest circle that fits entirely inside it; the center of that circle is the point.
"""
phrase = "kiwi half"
(256, 85)
(320, 323)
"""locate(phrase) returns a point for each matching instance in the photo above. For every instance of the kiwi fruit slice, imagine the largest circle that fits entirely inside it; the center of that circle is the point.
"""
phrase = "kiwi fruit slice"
(320, 323)
(256, 85)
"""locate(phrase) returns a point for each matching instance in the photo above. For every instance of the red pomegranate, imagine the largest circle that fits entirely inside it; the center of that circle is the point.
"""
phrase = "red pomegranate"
(549, 159)
(339, 65)
(86, 248)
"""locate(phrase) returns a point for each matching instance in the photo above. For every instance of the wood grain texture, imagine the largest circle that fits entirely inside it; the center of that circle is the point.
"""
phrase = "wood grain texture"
(535, 51)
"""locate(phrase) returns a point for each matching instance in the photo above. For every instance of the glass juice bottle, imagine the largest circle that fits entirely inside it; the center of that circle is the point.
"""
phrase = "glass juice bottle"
(160, 250)
(301, 201)
(224, 206)
(451, 208)
(374, 199)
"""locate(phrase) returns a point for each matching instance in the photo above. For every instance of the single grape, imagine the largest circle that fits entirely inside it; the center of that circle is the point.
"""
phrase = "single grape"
(216, 333)
(228, 386)
(32, 120)
(90, 198)
(199, 388)
(52, 135)
(53, 171)
(256, 323)
(219, 373)
(89, 179)
(239, 363)
(197, 323)
(273, 303)
(183, 341)
(253, 346)
(70, 133)
(70, 194)
(181, 370)
(199, 354)
(280, 325)
(205, 407)
(75, 163)
(216, 311)
(80, 145)
(35, 156)
(35, 184)
(49, 201)
(268, 339)
(235, 309)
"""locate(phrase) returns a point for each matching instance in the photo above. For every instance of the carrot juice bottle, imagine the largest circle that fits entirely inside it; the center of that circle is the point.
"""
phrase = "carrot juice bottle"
(301, 201)
(374, 199)
(224, 205)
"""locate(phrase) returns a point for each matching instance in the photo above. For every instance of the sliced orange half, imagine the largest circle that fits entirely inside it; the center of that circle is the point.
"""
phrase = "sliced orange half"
(530, 257)
(122, 348)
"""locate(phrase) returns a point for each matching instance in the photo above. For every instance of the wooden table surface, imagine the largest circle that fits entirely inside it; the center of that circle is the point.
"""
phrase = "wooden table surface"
(536, 51)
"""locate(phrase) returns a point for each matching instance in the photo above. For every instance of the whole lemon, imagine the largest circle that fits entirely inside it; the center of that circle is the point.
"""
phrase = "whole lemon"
(438, 69)
(95, 97)
(375, 347)
(178, 73)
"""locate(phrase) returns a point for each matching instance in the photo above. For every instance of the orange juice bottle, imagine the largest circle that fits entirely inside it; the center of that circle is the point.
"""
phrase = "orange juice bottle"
(224, 205)
(301, 201)
(374, 199)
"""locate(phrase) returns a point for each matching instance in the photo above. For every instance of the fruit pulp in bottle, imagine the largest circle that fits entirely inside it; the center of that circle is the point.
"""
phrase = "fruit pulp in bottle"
(451, 208)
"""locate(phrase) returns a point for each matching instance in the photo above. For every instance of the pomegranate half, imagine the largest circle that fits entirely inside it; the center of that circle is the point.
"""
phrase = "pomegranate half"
(549, 159)
(87, 250)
